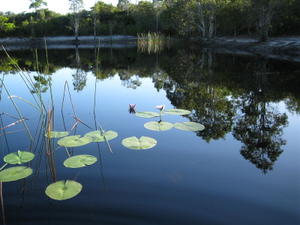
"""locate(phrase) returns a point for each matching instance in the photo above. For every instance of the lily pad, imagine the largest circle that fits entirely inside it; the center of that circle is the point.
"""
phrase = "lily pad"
(139, 143)
(98, 136)
(158, 126)
(63, 190)
(189, 126)
(57, 134)
(15, 173)
(73, 141)
(18, 157)
(179, 112)
(79, 161)
(147, 115)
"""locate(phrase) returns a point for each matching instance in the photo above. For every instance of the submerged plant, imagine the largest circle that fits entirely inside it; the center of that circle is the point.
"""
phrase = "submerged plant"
(18, 157)
(141, 143)
(79, 161)
(63, 190)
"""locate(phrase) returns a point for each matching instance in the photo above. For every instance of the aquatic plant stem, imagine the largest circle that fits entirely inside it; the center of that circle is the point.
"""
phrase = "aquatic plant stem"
(2, 203)
(23, 76)
(3, 166)
(19, 113)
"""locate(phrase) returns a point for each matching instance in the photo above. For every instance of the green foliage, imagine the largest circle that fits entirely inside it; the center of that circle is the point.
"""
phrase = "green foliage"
(63, 190)
(141, 143)
(79, 161)
(18, 157)
(5, 26)
(15, 173)
(158, 126)
(147, 115)
(189, 126)
(173, 17)
(73, 141)
(180, 112)
(57, 134)
(98, 136)
(36, 4)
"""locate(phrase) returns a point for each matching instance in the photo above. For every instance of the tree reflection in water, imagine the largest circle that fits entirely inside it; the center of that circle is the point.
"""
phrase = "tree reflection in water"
(224, 92)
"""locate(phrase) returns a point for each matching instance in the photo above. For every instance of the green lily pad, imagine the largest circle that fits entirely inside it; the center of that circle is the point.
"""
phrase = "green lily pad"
(79, 161)
(18, 157)
(57, 134)
(189, 126)
(158, 126)
(179, 112)
(139, 143)
(73, 141)
(15, 173)
(63, 190)
(147, 115)
(98, 136)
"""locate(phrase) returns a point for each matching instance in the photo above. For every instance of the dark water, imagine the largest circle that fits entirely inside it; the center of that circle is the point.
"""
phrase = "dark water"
(242, 169)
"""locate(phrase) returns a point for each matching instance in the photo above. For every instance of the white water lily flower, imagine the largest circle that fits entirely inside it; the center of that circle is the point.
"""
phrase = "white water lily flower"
(160, 107)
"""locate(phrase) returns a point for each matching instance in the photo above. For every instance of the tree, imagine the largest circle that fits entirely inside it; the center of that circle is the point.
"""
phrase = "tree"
(5, 25)
(264, 11)
(76, 7)
(158, 8)
(37, 4)
(124, 5)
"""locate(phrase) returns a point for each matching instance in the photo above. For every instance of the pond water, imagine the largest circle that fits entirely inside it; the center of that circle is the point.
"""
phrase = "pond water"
(243, 168)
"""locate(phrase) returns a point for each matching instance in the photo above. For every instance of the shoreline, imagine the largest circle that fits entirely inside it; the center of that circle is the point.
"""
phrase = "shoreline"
(284, 48)
(65, 42)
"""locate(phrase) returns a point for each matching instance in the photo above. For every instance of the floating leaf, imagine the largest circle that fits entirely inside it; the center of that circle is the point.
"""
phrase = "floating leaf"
(73, 141)
(98, 136)
(139, 143)
(15, 173)
(147, 115)
(189, 126)
(79, 161)
(63, 190)
(57, 134)
(158, 126)
(18, 157)
(180, 112)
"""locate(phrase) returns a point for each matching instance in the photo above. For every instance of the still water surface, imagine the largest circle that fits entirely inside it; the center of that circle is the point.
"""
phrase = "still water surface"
(242, 169)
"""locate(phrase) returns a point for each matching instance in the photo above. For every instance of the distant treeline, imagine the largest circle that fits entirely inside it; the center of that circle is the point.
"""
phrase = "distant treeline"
(182, 18)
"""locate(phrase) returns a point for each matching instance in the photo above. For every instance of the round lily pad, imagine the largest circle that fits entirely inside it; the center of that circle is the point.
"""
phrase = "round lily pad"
(79, 161)
(139, 143)
(189, 126)
(57, 134)
(18, 157)
(147, 115)
(15, 173)
(63, 190)
(98, 136)
(73, 141)
(179, 112)
(158, 126)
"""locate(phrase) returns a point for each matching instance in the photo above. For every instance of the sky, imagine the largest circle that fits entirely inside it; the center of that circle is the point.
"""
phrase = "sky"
(60, 6)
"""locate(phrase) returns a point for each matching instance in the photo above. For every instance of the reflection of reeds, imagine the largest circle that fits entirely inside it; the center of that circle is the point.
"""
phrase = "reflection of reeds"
(152, 42)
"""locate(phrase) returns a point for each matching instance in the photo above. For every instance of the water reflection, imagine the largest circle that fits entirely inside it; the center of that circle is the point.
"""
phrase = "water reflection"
(224, 92)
